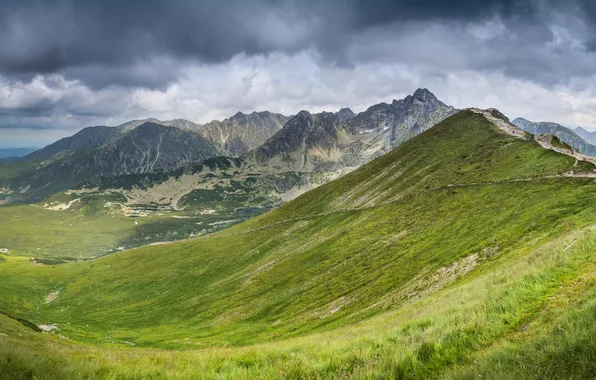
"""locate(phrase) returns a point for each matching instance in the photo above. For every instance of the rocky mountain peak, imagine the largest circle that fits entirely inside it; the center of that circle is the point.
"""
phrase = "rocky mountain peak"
(524, 124)
(303, 114)
(424, 94)
(238, 116)
(344, 114)
(421, 95)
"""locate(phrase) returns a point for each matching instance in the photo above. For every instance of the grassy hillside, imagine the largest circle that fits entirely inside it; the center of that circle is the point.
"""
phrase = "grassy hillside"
(464, 252)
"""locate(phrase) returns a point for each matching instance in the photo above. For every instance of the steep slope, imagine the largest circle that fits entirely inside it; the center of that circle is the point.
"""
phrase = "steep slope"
(564, 134)
(308, 151)
(463, 249)
(344, 114)
(145, 148)
(138, 146)
(327, 141)
(242, 132)
(307, 142)
(445, 195)
(233, 136)
(88, 138)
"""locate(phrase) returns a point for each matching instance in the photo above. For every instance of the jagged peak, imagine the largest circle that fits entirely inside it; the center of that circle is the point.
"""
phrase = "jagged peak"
(377, 106)
(344, 114)
(253, 114)
(303, 113)
(423, 93)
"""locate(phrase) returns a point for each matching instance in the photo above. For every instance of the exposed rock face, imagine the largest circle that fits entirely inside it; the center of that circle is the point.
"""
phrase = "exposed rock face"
(564, 134)
(305, 142)
(151, 147)
(242, 132)
(328, 141)
(230, 137)
(142, 146)
(344, 114)
(233, 136)
(145, 148)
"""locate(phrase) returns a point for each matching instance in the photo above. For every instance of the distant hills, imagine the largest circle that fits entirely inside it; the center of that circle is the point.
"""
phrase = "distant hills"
(15, 152)
(310, 149)
(586, 135)
(565, 134)
(137, 147)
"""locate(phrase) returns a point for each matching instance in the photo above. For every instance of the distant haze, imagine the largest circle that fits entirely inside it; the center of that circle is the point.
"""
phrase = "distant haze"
(15, 152)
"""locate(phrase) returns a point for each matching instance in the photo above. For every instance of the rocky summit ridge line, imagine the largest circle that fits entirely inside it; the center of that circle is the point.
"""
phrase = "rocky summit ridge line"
(326, 142)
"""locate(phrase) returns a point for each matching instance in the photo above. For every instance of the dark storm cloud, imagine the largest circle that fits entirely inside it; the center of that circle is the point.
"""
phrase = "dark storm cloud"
(371, 13)
(71, 63)
(37, 109)
(104, 42)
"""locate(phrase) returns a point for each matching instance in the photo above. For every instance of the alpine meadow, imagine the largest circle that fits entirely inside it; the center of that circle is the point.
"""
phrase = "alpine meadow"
(335, 236)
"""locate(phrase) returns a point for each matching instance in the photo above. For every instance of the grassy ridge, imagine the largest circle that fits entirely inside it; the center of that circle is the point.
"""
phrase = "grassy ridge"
(431, 259)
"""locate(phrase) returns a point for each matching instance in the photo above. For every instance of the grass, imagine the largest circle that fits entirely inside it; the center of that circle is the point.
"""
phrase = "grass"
(507, 322)
(89, 229)
(441, 258)
(11, 169)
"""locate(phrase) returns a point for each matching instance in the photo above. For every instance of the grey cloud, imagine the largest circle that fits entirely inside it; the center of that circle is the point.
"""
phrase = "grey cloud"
(100, 41)
(97, 58)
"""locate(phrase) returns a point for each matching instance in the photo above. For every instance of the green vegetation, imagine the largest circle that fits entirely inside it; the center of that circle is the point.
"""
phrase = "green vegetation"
(95, 225)
(558, 143)
(463, 253)
(11, 169)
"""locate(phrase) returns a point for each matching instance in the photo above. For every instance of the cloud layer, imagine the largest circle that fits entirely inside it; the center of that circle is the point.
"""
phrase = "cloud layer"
(68, 64)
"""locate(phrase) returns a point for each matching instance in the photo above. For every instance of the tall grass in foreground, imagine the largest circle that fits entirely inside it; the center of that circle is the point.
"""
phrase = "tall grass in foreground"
(531, 316)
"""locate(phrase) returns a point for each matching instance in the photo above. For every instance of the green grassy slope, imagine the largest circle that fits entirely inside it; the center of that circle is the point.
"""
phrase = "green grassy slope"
(442, 257)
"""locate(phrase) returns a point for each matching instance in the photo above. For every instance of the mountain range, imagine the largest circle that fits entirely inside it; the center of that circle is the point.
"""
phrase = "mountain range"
(332, 141)
(563, 133)
(325, 142)
(586, 135)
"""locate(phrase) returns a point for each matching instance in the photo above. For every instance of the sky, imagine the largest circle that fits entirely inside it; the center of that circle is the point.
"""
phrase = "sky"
(66, 65)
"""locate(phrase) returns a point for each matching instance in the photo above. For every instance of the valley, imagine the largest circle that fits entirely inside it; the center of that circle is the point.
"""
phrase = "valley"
(465, 251)
(119, 188)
